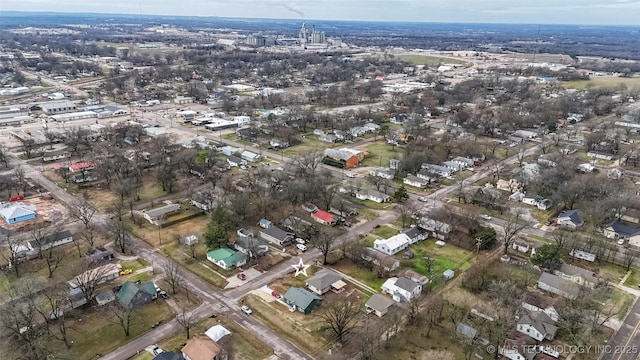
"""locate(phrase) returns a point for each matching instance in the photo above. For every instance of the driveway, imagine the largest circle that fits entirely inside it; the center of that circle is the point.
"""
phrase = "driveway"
(234, 281)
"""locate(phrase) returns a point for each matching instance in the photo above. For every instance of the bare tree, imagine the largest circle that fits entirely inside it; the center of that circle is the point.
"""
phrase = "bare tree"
(414, 317)
(341, 317)
(89, 280)
(18, 317)
(4, 156)
(53, 308)
(84, 212)
(432, 313)
(186, 320)
(629, 258)
(118, 231)
(21, 181)
(15, 254)
(123, 316)
(515, 225)
(407, 210)
(173, 276)
(562, 237)
(323, 240)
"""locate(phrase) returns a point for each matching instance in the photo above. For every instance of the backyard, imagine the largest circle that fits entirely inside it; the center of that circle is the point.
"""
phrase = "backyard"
(440, 258)
(379, 154)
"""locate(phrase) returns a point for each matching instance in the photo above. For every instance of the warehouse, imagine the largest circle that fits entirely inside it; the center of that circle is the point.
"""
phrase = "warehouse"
(58, 107)
(74, 116)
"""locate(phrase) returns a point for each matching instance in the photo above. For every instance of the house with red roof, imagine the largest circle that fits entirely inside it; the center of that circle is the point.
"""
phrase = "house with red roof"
(324, 217)
(80, 166)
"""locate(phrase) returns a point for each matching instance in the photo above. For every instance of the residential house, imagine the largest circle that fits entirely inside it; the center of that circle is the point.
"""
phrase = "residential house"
(379, 305)
(582, 255)
(98, 255)
(54, 155)
(169, 355)
(542, 204)
(301, 300)
(278, 144)
(298, 225)
(516, 196)
(416, 277)
(52, 240)
(620, 229)
(538, 326)
(386, 262)
(425, 174)
(435, 228)
(392, 245)
(537, 303)
(401, 289)
(229, 150)
(521, 246)
(600, 155)
(328, 138)
(158, 215)
(559, 286)
(203, 201)
(250, 246)
(512, 185)
(578, 275)
(371, 127)
(309, 207)
(518, 349)
(570, 219)
(226, 258)
(322, 281)
(82, 166)
(452, 165)
(134, 294)
(105, 298)
(373, 195)
(416, 181)
(546, 160)
(384, 173)
(250, 156)
(16, 212)
(76, 297)
(415, 234)
(525, 134)
(200, 347)
(324, 217)
(276, 235)
(235, 161)
(437, 170)
(97, 275)
(264, 223)
(465, 163)
(318, 132)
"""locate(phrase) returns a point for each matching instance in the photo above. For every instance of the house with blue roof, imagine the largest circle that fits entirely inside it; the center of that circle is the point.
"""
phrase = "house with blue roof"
(133, 294)
(570, 219)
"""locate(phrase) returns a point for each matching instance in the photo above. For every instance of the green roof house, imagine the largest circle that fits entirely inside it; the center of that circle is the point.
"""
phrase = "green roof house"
(135, 294)
(226, 258)
(301, 299)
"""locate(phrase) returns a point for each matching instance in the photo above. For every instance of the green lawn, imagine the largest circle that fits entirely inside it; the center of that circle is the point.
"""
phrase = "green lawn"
(134, 265)
(620, 301)
(429, 60)
(200, 266)
(603, 82)
(151, 191)
(374, 205)
(443, 258)
(385, 232)
(380, 153)
(364, 275)
(632, 280)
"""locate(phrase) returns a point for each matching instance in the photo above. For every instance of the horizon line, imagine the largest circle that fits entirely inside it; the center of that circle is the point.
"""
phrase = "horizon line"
(78, 13)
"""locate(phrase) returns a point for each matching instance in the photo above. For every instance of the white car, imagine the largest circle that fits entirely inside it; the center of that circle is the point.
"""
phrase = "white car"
(300, 241)
(621, 242)
(302, 248)
(350, 175)
(423, 198)
(245, 309)
(485, 217)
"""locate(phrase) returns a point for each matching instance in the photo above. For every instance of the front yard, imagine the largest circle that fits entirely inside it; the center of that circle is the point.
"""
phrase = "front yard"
(380, 153)
(200, 266)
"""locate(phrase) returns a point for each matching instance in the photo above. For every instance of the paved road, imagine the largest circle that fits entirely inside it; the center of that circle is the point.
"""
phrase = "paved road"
(625, 343)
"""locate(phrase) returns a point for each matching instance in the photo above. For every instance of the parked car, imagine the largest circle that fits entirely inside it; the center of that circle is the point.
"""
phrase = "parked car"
(377, 226)
(156, 350)
(242, 276)
(485, 217)
(276, 295)
(301, 247)
(422, 198)
(300, 241)
(163, 294)
(245, 309)
(125, 271)
(621, 242)
(350, 175)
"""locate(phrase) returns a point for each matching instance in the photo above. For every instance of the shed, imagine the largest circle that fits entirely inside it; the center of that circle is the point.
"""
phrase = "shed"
(448, 274)
(105, 298)
(217, 332)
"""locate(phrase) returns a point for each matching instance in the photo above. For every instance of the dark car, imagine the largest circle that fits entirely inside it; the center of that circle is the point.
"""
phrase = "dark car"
(376, 226)
(163, 294)
(242, 276)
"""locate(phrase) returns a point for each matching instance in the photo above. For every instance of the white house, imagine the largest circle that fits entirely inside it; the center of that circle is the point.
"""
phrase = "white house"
(570, 219)
(452, 165)
(582, 255)
(392, 245)
(416, 181)
(373, 195)
(538, 303)
(401, 289)
(538, 326)
(464, 162)
(600, 155)
(384, 173)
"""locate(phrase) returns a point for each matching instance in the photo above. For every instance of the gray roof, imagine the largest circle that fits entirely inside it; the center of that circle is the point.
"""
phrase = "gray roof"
(412, 232)
(571, 270)
(406, 284)
(106, 296)
(323, 279)
(416, 179)
(623, 229)
(276, 232)
(466, 330)
(541, 322)
(573, 215)
(338, 154)
(300, 297)
(57, 105)
(162, 210)
(169, 355)
(379, 302)
(559, 283)
(60, 235)
(234, 159)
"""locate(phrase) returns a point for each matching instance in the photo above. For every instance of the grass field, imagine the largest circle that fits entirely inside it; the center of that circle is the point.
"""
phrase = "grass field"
(603, 82)
(429, 60)
(385, 232)
(364, 275)
(380, 153)
(134, 264)
(198, 266)
(443, 258)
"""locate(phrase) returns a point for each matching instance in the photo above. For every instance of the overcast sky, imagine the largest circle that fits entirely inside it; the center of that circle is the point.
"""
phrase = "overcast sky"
(610, 12)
